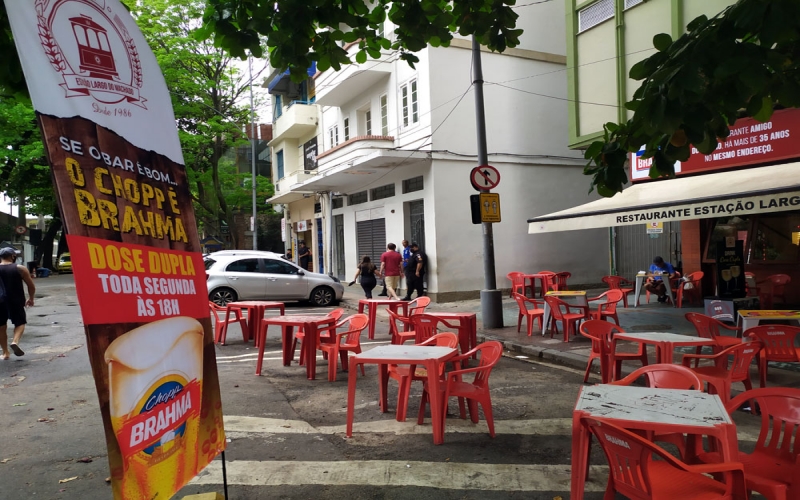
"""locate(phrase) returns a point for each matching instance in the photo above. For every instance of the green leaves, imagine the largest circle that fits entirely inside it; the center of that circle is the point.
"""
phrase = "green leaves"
(743, 62)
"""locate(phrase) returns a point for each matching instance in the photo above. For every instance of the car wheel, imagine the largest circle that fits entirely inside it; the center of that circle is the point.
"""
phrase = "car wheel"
(221, 296)
(322, 296)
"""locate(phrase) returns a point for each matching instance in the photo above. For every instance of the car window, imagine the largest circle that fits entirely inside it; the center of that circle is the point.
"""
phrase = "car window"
(243, 266)
(65, 258)
(209, 263)
(278, 267)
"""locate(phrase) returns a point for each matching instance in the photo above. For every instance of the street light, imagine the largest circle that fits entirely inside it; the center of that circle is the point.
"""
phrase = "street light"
(254, 225)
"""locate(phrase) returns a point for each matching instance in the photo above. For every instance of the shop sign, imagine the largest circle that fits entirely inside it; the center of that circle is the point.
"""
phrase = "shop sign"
(109, 132)
(310, 155)
(730, 268)
(750, 143)
(655, 227)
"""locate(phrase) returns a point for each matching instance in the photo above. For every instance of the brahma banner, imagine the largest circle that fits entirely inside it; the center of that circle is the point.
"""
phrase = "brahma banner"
(112, 143)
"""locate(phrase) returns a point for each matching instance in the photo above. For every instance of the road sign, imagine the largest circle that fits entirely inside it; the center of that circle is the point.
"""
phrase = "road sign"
(655, 227)
(490, 207)
(20, 229)
(484, 177)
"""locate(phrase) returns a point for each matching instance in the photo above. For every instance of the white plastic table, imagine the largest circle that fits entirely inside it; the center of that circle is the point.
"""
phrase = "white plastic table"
(578, 295)
(640, 285)
(749, 319)
(665, 342)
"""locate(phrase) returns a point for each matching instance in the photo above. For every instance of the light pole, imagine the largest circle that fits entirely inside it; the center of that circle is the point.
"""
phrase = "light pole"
(253, 139)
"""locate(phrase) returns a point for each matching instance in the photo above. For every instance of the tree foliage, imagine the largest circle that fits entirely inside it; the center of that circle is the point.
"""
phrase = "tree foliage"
(743, 62)
(301, 31)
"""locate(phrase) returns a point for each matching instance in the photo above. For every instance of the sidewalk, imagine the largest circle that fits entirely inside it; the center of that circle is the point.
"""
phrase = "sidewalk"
(575, 354)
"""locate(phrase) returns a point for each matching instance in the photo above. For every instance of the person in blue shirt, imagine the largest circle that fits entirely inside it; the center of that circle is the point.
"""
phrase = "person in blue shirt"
(655, 283)
(406, 268)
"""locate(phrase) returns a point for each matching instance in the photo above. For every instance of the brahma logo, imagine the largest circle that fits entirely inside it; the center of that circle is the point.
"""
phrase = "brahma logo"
(90, 46)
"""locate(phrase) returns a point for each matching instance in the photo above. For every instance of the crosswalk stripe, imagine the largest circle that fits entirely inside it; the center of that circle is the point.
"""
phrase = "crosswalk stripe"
(444, 475)
(236, 425)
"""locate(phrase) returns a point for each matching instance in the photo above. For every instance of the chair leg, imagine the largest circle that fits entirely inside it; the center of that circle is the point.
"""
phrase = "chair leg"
(530, 326)
(332, 362)
(487, 412)
(403, 389)
(519, 322)
(462, 411)
(762, 371)
(472, 406)
(588, 369)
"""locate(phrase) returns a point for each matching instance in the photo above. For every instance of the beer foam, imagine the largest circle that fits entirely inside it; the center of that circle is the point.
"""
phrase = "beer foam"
(147, 345)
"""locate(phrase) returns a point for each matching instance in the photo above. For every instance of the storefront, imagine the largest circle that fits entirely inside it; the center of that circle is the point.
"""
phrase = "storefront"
(748, 190)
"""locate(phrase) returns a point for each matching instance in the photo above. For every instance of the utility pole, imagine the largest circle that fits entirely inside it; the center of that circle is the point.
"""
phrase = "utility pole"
(491, 298)
(253, 153)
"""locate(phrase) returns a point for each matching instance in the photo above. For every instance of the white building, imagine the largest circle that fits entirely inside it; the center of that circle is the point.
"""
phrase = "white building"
(382, 152)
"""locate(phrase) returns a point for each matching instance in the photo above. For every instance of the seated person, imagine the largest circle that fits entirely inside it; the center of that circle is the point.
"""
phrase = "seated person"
(655, 283)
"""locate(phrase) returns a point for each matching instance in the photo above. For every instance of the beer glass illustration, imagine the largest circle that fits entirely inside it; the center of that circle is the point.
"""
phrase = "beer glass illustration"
(155, 375)
(726, 277)
(736, 271)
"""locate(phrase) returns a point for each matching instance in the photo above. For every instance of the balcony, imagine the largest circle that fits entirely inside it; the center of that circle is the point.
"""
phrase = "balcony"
(298, 120)
(286, 188)
(340, 87)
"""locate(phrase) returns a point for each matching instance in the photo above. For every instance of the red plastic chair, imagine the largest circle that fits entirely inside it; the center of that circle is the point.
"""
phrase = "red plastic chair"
(773, 468)
(635, 474)
(418, 305)
(547, 281)
(619, 283)
(221, 326)
(607, 309)
(775, 289)
(405, 378)
(529, 314)
(601, 334)
(708, 328)
(558, 282)
(569, 320)
(475, 392)
(325, 334)
(344, 343)
(518, 284)
(690, 288)
(723, 373)
(427, 325)
(778, 344)
(399, 334)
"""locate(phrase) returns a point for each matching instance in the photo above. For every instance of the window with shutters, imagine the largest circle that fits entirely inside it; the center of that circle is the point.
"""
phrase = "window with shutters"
(632, 3)
(337, 203)
(371, 239)
(413, 184)
(595, 14)
(357, 198)
(382, 192)
(384, 115)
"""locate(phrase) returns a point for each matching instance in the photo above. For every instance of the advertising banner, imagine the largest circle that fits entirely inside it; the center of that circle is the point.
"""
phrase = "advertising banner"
(749, 143)
(112, 144)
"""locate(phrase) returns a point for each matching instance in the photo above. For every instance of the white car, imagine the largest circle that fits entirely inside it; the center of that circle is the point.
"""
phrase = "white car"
(253, 275)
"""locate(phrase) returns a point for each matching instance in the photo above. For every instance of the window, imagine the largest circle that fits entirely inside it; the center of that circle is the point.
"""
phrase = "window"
(595, 14)
(382, 29)
(382, 192)
(347, 129)
(384, 116)
(412, 184)
(208, 263)
(337, 203)
(278, 111)
(277, 267)
(368, 122)
(243, 266)
(408, 100)
(317, 208)
(279, 163)
(357, 198)
(632, 3)
(333, 134)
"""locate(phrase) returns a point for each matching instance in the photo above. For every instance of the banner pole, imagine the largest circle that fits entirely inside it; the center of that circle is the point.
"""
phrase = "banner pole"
(224, 477)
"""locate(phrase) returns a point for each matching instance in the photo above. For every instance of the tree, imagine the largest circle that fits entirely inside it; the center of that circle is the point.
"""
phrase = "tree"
(207, 96)
(745, 61)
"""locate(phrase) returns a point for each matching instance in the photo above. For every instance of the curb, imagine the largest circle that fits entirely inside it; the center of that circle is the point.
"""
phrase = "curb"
(568, 359)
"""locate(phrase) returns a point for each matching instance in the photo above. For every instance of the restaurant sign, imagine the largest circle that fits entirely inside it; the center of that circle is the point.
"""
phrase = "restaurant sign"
(750, 143)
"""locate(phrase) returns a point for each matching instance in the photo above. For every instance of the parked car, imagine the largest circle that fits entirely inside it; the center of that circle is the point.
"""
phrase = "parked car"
(253, 275)
(64, 263)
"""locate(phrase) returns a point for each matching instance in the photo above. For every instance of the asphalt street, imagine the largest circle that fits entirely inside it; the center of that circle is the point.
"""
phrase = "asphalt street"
(286, 433)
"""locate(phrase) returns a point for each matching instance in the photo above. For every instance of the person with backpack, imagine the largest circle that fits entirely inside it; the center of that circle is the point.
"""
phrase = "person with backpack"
(13, 301)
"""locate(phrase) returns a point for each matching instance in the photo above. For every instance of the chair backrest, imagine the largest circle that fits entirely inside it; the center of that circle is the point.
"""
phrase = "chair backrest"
(555, 306)
(418, 305)
(613, 297)
(600, 332)
(614, 282)
(706, 326)
(425, 327)
(490, 354)
(355, 324)
(665, 376)
(336, 314)
(561, 279)
(780, 419)
(517, 282)
(395, 318)
(743, 355)
(629, 457)
(522, 300)
(777, 341)
(778, 283)
(444, 339)
(217, 311)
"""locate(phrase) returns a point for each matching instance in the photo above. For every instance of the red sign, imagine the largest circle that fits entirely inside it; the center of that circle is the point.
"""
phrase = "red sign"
(484, 177)
(749, 143)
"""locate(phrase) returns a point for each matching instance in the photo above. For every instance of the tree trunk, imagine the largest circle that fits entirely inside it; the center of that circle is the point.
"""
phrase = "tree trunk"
(44, 252)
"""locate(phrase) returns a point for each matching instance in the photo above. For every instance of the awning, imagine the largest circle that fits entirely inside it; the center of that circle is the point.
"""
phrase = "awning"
(749, 191)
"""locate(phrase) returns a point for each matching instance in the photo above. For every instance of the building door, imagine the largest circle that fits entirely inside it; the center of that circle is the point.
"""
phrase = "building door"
(338, 246)
(634, 249)
(320, 252)
(371, 239)
(416, 218)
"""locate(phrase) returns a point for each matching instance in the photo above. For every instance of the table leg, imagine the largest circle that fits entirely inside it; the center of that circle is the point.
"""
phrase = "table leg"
(310, 349)
(580, 457)
(404, 307)
(667, 352)
(287, 334)
(258, 318)
(352, 376)
(373, 316)
(545, 318)
(383, 386)
(437, 405)
(638, 290)
(748, 323)
(260, 361)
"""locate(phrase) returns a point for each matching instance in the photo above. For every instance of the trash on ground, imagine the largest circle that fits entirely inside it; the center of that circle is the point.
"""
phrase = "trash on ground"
(68, 479)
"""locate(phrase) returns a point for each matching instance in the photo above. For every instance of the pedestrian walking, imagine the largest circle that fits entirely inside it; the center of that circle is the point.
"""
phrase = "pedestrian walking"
(12, 276)
(406, 257)
(417, 264)
(303, 255)
(366, 273)
(391, 264)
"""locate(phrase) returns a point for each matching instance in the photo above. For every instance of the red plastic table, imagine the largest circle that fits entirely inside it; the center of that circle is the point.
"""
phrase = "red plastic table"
(255, 313)
(467, 327)
(665, 342)
(649, 409)
(310, 325)
(428, 356)
(373, 304)
(536, 276)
